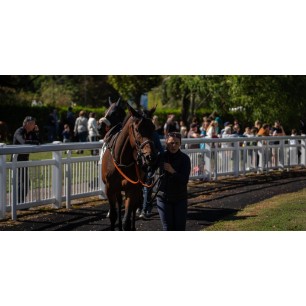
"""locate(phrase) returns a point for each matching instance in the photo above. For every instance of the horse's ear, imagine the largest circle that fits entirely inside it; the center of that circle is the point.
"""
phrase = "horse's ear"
(133, 112)
(109, 101)
(118, 102)
(151, 111)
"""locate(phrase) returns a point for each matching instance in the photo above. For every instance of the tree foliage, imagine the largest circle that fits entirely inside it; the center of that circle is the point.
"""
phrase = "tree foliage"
(131, 87)
(266, 98)
(261, 97)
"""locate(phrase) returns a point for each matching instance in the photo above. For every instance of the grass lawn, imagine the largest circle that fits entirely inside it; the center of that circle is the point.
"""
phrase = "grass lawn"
(285, 212)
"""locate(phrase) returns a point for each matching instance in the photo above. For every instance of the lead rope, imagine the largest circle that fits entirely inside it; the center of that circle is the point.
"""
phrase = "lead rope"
(156, 193)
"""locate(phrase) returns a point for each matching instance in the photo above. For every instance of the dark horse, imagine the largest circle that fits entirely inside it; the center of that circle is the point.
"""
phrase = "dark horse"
(123, 167)
(114, 116)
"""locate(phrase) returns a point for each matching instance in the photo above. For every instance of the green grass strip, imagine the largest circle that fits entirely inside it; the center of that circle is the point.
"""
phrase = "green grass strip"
(286, 212)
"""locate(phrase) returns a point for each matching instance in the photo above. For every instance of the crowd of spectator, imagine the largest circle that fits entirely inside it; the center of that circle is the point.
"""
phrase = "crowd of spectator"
(84, 127)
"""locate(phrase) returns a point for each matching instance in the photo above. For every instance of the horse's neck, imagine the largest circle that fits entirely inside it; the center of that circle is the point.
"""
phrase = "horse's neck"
(123, 150)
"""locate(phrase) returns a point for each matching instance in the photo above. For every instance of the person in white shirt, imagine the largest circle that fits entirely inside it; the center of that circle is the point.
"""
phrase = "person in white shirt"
(93, 133)
(80, 128)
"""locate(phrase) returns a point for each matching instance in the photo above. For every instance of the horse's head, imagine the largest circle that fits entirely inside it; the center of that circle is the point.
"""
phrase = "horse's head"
(142, 139)
(115, 114)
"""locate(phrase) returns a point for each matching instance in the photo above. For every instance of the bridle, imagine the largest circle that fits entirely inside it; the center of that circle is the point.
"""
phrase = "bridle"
(141, 158)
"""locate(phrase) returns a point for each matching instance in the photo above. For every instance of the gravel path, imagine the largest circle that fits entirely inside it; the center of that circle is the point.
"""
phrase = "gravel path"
(208, 203)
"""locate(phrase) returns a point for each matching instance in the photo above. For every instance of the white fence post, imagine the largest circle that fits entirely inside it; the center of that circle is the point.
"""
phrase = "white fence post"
(236, 158)
(68, 175)
(2, 184)
(14, 187)
(207, 159)
(101, 184)
(57, 177)
(303, 152)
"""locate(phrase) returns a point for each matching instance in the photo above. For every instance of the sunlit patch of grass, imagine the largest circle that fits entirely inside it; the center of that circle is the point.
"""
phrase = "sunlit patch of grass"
(285, 212)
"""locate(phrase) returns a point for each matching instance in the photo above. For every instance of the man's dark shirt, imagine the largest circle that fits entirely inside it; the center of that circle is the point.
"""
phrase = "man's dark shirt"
(22, 137)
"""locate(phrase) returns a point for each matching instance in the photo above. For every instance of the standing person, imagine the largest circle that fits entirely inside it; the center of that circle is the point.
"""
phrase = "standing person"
(211, 130)
(70, 120)
(277, 130)
(66, 133)
(158, 128)
(172, 196)
(27, 134)
(171, 125)
(203, 133)
(56, 123)
(263, 157)
(93, 133)
(216, 117)
(258, 124)
(80, 128)
(183, 129)
(193, 133)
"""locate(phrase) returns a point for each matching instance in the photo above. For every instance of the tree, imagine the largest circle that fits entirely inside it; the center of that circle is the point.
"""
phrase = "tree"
(131, 87)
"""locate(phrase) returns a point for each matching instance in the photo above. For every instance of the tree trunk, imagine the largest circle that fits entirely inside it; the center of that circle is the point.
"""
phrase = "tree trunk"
(137, 100)
(192, 104)
(185, 108)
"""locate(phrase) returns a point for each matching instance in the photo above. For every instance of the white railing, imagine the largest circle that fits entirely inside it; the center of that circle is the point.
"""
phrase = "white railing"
(59, 179)
(63, 178)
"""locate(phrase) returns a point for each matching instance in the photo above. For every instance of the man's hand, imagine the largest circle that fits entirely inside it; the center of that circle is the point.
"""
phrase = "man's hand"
(169, 168)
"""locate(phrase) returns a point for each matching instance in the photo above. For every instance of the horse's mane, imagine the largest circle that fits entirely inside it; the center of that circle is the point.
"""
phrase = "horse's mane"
(127, 117)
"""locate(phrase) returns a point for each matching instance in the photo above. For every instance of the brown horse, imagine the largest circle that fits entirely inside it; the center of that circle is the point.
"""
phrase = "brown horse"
(123, 167)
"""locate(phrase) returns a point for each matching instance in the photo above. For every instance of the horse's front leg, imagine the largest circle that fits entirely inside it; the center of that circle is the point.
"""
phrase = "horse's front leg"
(112, 215)
(137, 203)
(112, 210)
(127, 215)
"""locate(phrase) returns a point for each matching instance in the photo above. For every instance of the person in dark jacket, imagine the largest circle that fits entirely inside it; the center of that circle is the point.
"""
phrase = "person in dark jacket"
(172, 196)
(27, 134)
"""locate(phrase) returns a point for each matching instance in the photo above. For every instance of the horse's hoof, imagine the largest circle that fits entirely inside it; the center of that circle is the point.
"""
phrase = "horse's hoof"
(108, 213)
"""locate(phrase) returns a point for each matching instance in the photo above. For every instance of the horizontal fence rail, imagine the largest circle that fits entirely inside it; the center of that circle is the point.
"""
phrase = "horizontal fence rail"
(64, 178)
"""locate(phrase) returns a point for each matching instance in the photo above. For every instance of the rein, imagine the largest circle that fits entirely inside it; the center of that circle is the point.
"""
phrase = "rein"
(130, 180)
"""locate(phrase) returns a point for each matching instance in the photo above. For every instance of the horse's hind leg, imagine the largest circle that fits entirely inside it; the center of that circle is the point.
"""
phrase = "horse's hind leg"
(119, 201)
(112, 212)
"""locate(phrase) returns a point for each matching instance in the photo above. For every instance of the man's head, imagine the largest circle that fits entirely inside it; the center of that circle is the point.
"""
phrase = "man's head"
(173, 142)
(193, 126)
(29, 123)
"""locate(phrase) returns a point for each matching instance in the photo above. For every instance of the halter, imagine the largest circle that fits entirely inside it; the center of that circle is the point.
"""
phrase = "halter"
(140, 159)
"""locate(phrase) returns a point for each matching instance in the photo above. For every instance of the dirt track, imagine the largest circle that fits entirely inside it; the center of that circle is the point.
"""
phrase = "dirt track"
(208, 203)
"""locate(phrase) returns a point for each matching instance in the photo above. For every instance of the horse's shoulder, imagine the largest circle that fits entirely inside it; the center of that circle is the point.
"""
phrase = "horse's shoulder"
(109, 138)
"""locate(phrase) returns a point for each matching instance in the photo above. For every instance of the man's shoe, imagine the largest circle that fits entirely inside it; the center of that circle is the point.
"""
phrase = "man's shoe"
(143, 215)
